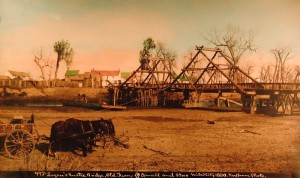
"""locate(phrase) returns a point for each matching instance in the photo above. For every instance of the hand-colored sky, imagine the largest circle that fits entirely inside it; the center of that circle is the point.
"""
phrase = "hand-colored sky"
(108, 34)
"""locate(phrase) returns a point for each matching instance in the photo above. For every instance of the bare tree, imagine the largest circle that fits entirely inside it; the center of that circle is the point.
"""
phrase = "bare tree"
(233, 41)
(166, 54)
(289, 74)
(297, 74)
(282, 55)
(38, 59)
(188, 56)
(249, 69)
(42, 64)
(49, 72)
(168, 58)
(265, 74)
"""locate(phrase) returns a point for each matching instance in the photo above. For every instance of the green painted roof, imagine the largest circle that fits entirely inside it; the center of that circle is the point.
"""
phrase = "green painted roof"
(125, 74)
(71, 73)
(183, 77)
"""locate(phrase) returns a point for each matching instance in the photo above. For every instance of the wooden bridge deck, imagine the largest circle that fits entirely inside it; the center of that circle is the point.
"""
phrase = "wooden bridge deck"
(222, 87)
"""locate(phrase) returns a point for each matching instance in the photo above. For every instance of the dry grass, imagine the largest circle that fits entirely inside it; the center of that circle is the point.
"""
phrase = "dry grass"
(237, 142)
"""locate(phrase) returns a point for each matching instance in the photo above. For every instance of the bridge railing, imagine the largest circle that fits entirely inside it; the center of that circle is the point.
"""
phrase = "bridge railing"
(223, 86)
(281, 86)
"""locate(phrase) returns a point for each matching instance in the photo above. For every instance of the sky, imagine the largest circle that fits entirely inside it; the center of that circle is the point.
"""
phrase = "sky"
(108, 34)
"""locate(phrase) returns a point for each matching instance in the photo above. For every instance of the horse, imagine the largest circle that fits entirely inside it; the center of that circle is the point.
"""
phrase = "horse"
(79, 133)
(108, 130)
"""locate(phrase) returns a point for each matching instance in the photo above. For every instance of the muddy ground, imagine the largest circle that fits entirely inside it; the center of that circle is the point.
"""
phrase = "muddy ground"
(171, 140)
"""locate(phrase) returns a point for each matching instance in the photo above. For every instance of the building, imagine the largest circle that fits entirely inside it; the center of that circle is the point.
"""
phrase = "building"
(4, 80)
(4, 77)
(109, 77)
(126, 75)
(19, 79)
(97, 78)
(70, 74)
(74, 77)
(92, 79)
(18, 75)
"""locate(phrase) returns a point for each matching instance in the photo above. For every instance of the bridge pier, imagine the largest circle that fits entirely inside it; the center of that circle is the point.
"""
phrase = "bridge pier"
(248, 103)
(261, 101)
(285, 102)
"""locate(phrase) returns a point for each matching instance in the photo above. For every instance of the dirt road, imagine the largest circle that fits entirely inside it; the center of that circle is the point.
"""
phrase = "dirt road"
(172, 140)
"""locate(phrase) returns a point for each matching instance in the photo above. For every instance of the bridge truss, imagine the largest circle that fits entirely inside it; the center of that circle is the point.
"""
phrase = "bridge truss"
(208, 71)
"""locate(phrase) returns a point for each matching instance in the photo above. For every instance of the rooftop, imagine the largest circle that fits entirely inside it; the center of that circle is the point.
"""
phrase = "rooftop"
(78, 77)
(19, 74)
(71, 73)
(107, 72)
(3, 77)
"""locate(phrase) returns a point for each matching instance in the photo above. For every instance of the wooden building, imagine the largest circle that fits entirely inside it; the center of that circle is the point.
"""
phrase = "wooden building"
(109, 77)
(92, 79)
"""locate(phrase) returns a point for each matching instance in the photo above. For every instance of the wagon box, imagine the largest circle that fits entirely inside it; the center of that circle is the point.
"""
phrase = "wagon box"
(7, 128)
(17, 137)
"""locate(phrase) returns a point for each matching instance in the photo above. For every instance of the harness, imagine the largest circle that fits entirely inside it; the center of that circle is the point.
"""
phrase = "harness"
(91, 126)
(90, 131)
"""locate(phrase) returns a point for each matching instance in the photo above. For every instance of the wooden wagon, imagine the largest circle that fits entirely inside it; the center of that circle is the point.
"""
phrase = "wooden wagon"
(17, 137)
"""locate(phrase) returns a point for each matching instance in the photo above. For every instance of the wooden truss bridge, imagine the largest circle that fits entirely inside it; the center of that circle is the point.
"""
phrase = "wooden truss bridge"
(155, 83)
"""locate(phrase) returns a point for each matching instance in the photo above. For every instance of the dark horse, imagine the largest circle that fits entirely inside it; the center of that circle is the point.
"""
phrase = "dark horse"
(79, 133)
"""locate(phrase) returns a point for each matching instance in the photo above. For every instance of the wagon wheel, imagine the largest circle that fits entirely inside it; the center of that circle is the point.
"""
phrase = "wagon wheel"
(18, 143)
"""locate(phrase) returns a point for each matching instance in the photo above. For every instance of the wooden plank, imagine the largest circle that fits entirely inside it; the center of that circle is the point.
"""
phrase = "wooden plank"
(112, 107)
(166, 72)
(215, 108)
(231, 101)
(7, 128)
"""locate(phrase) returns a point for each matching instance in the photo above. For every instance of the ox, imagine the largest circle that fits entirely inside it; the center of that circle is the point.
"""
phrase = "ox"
(75, 133)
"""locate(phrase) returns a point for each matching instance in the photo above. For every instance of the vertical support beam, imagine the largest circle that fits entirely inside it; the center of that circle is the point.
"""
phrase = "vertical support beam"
(252, 105)
(115, 96)
(296, 101)
(217, 102)
(227, 103)
(248, 102)
(288, 104)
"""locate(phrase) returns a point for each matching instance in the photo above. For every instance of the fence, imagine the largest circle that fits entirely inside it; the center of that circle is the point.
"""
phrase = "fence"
(11, 83)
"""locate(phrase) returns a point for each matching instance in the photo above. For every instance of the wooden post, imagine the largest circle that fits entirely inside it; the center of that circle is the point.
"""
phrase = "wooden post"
(252, 104)
(142, 98)
(114, 102)
(227, 103)
(295, 101)
(217, 102)
(145, 97)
